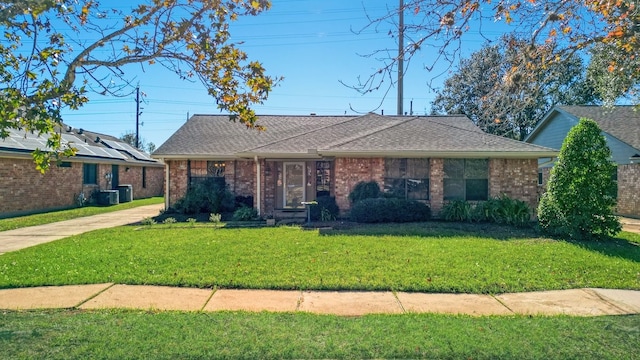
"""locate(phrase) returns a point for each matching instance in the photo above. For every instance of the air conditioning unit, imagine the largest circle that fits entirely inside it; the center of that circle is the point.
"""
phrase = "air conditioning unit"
(125, 193)
(108, 197)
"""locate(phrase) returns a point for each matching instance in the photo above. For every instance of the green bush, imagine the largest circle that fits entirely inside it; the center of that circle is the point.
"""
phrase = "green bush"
(504, 210)
(581, 193)
(215, 218)
(208, 196)
(457, 210)
(381, 210)
(325, 210)
(501, 210)
(245, 214)
(364, 190)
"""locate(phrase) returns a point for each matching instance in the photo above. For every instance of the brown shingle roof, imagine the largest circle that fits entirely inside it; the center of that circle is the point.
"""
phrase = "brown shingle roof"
(215, 136)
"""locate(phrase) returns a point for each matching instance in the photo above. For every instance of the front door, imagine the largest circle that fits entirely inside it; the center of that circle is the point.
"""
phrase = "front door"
(294, 184)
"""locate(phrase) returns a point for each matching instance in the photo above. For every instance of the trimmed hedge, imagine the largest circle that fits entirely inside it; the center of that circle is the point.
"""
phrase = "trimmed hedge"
(380, 210)
(208, 196)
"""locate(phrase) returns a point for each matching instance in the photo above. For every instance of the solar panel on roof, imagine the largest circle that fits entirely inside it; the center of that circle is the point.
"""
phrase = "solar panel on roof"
(121, 146)
(88, 150)
(27, 141)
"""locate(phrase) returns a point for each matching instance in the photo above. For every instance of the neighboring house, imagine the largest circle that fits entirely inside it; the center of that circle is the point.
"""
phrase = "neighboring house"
(298, 158)
(102, 163)
(620, 126)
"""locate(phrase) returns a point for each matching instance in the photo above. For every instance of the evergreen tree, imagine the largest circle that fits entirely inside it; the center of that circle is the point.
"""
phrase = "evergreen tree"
(581, 193)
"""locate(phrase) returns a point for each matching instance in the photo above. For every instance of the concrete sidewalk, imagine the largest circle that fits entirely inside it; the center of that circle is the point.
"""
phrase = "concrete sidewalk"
(630, 225)
(576, 302)
(17, 239)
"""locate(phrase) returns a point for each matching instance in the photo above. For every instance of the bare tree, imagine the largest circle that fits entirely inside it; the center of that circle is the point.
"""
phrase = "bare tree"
(440, 27)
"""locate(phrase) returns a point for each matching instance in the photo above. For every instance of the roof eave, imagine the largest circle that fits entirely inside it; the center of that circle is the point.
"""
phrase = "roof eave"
(194, 156)
(280, 155)
(445, 154)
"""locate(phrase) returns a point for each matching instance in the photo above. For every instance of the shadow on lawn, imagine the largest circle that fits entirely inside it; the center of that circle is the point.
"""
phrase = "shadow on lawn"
(439, 229)
(614, 247)
(626, 247)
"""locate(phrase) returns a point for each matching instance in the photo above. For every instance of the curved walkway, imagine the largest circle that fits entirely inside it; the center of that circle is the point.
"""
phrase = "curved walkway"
(576, 302)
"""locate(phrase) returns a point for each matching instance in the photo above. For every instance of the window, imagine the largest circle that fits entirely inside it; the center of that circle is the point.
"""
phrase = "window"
(323, 178)
(466, 179)
(64, 164)
(540, 178)
(407, 178)
(144, 177)
(201, 170)
(90, 174)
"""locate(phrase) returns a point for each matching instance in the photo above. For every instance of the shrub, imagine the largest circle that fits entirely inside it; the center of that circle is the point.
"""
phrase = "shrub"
(169, 220)
(325, 210)
(215, 218)
(504, 210)
(245, 214)
(243, 201)
(148, 221)
(364, 190)
(208, 196)
(581, 193)
(389, 210)
(501, 210)
(457, 210)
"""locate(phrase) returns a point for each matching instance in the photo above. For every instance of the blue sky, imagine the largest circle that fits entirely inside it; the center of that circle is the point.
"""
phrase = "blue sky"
(310, 43)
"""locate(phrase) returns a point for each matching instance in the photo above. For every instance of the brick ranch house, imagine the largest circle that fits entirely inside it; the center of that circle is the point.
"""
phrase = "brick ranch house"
(620, 126)
(102, 162)
(298, 158)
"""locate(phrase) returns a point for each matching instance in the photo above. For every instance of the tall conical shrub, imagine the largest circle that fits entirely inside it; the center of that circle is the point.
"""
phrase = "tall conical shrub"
(581, 193)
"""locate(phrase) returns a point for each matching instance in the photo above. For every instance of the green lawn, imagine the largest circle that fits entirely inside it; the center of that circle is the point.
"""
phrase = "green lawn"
(119, 334)
(430, 257)
(60, 215)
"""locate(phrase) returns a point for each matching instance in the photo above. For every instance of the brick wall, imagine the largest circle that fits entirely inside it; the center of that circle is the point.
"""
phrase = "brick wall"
(629, 190)
(546, 174)
(24, 189)
(154, 180)
(515, 178)
(178, 179)
(240, 177)
(350, 171)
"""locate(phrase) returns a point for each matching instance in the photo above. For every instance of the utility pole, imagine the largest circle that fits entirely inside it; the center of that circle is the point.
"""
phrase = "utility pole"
(137, 117)
(400, 57)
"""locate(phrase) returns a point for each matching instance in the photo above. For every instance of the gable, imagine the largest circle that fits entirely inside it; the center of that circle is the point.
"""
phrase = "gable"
(621, 122)
(620, 126)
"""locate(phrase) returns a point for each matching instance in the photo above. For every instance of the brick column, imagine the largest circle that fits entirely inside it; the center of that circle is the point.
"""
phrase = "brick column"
(436, 185)
(178, 180)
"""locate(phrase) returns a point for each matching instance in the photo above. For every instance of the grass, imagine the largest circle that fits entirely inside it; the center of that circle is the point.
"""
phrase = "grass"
(61, 215)
(429, 257)
(120, 334)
